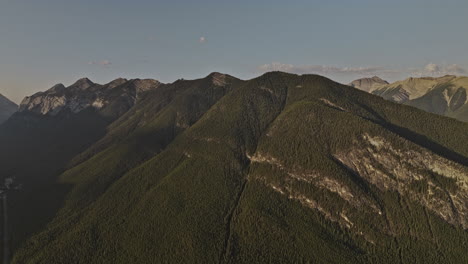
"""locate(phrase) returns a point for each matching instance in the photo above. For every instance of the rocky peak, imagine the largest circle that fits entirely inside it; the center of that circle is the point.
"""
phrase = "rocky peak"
(368, 84)
(85, 94)
(57, 88)
(116, 82)
(378, 79)
(218, 79)
(82, 84)
(142, 85)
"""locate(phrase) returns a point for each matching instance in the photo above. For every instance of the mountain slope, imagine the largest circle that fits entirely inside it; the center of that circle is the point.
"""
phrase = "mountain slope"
(7, 108)
(280, 168)
(368, 84)
(49, 130)
(411, 88)
(444, 95)
(448, 98)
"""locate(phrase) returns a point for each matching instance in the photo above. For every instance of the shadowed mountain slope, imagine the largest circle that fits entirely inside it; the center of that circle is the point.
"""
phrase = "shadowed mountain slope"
(7, 108)
(50, 129)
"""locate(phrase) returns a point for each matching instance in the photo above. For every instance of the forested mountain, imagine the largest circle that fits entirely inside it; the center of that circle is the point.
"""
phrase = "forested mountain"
(7, 108)
(39, 141)
(281, 168)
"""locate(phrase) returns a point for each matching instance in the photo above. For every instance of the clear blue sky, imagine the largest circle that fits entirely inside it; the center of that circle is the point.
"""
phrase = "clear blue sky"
(43, 42)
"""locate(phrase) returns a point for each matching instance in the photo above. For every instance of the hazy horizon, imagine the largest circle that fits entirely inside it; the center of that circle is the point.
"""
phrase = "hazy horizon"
(49, 42)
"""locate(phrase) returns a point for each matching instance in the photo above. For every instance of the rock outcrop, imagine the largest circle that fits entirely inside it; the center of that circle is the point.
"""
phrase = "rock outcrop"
(446, 95)
(368, 84)
(85, 94)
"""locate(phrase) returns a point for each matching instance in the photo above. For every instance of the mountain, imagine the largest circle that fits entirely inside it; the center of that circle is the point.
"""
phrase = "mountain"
(7, 108)
(281, 168)
(50, 128)
(411, 88)
(111, 99)
(368, 84)
(445, 95)
(446, 98)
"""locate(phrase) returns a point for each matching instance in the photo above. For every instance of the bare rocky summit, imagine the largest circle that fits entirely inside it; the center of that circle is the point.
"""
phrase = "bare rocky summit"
(84, 94)
(368, 84)
(446, 95)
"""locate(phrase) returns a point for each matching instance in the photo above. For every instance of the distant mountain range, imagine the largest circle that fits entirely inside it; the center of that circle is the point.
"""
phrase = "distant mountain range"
(7, 108)
(445, 95)
(111, 99)
(281, 168)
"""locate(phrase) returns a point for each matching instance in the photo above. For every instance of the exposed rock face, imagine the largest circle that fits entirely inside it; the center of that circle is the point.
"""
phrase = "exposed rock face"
(444, 98)
(456, 100)
(433, 181)
(395, 94)
(7, 108)
(291, 188)
(219, 79)
(144, 85)
(445, 95)
(84, 94)
(411, 88)
(368, 84)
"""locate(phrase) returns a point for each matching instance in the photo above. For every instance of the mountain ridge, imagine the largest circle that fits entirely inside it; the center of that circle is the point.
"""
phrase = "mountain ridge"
(368, 84)
(446, 95)
(83, 94)
(415, 87)
(281, 167)
(7, 108)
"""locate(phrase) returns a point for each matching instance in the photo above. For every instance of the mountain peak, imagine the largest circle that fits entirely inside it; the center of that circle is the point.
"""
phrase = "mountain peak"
(213, 74)
(57, 88)
(82, 84)
(368, 84)
(142, 85)
(218, 78)
(377, 78)
(85, 94)
(116, 82)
